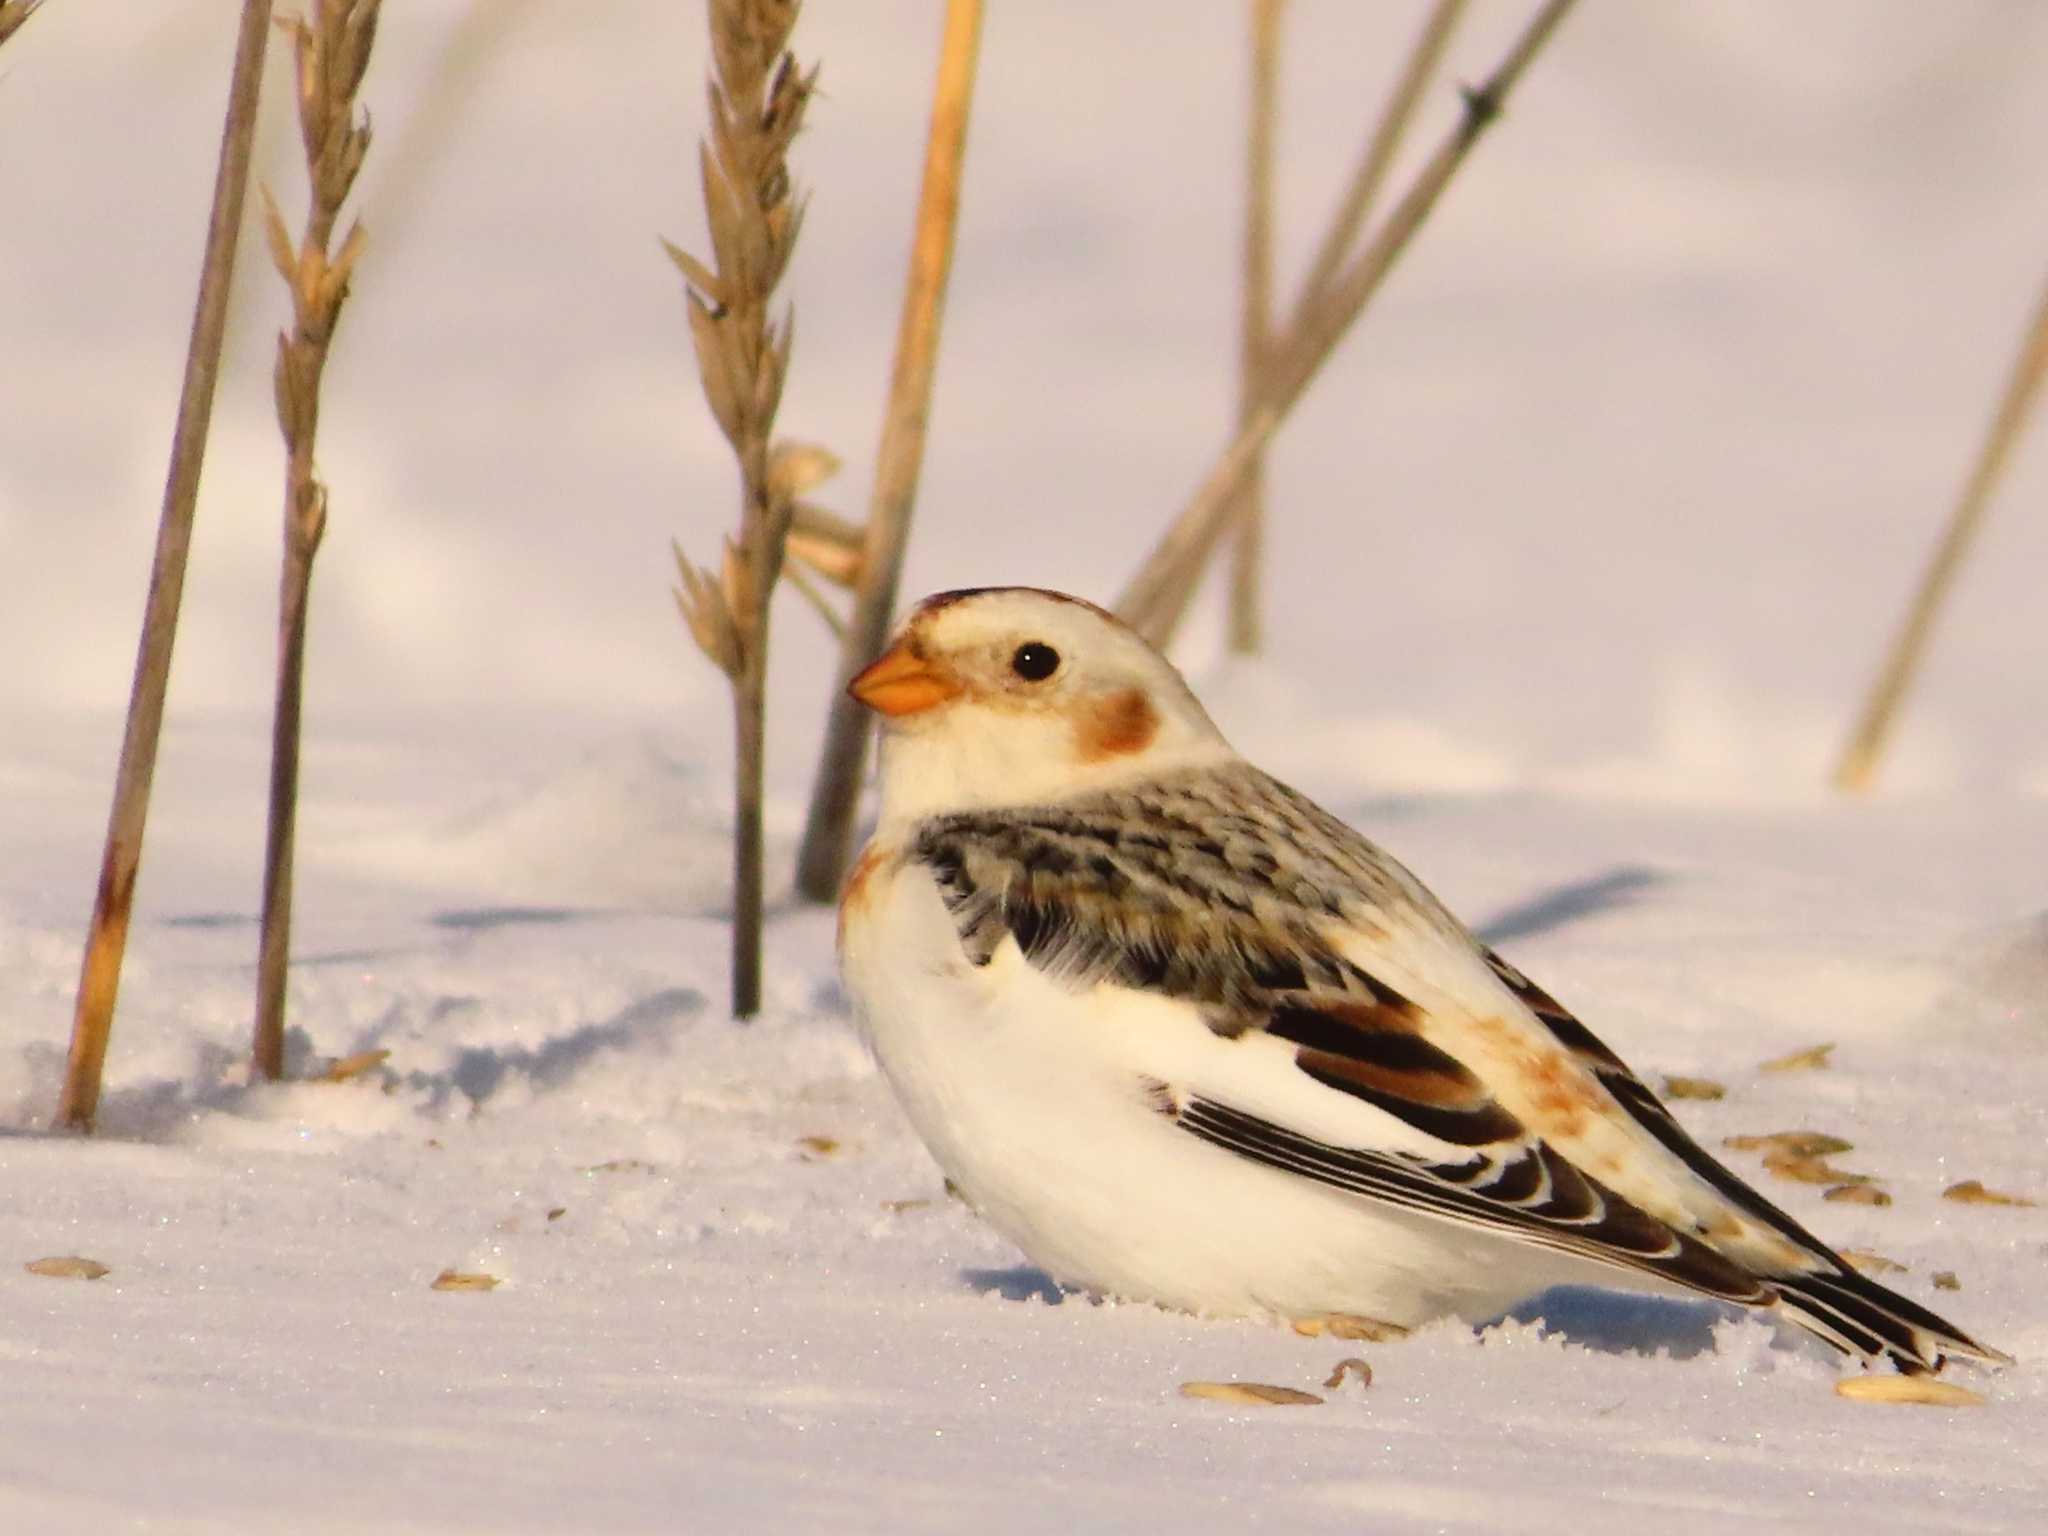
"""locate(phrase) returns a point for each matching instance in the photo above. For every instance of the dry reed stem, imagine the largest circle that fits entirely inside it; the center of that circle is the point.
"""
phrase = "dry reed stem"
(1157, 595)
(331, 54)
(1255, 320)
(1369, 175)
(1360, 192)
(757, 100)
(1858, 766)
(99, 981)
(828, 832)
(13, 13)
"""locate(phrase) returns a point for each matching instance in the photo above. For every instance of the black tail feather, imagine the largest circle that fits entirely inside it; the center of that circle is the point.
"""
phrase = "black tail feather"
(1860, 1317)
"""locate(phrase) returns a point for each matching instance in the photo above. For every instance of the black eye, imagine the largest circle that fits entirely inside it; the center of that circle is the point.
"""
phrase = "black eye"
(1035, 661)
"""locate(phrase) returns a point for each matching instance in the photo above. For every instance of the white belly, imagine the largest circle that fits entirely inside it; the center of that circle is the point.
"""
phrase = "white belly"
(1039, 1102)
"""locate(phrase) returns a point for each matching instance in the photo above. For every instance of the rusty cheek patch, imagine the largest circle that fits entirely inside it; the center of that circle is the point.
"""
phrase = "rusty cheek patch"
(1116, 726)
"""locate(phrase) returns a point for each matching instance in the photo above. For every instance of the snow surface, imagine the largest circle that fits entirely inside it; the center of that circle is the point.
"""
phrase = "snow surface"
(1580, 555)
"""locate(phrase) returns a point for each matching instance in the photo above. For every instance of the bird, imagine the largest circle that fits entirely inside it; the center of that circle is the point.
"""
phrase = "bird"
(1185, 1037)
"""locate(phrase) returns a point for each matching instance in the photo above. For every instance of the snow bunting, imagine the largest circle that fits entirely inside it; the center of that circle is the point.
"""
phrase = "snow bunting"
(1185, 1037)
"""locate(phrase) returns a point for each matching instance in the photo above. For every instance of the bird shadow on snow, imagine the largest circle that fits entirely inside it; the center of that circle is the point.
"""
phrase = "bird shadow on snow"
(1591, 1317)
(1621, 886)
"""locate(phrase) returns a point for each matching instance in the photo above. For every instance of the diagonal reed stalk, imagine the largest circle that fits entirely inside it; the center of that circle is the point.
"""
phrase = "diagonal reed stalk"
(1858, 766)
(99, 980)
(757, 99)
(1157, 596)
(1369, 175)
(1255, 320)
(1354, 208)
(13, 13)
(331, 53)
(828, 833)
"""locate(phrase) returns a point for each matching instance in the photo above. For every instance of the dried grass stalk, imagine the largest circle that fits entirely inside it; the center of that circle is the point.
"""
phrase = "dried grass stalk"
(1858, 766)
(757, 100)
(1158, 594)
(331, 52)
(13, 13)
(106, 941)
(1369, 175)
(1362, 189)
(828, 832)
(1255, 321)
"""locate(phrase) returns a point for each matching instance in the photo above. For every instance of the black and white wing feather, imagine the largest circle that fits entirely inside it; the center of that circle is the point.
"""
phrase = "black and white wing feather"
(1225, 890)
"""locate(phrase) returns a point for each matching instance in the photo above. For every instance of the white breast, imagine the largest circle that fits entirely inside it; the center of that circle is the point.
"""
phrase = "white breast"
(1041, 1104)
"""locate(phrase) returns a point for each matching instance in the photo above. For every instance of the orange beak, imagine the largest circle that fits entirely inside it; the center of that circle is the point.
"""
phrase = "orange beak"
(902, 683)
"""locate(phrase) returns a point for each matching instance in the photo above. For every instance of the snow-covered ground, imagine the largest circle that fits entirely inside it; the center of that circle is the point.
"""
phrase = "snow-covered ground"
(1580, 555)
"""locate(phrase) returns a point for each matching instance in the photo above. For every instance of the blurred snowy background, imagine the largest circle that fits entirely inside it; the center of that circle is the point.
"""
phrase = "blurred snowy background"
(1623, 480)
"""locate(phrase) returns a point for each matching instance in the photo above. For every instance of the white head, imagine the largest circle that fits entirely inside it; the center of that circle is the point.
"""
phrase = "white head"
(1000, 696)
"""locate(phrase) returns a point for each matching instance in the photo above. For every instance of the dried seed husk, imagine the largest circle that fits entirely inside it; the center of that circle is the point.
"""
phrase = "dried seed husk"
(1945, 1280)
(1793, 1143)
(1811, 1170)
(1694, 1088)
(68, 1266)
(1857, 1194)
(1800, 1061)
(1256, 1393)
(348, 1067)
(818, 1148)
(1973, 1192)
(1871, 1263)
(459, 1280)
(905, 1207)
(1929, 1390)
(1350, 1366)
(1348, 1325)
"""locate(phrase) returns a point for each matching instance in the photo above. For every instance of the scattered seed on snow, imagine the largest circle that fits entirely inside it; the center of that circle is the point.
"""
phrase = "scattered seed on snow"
(1872, 1263)
(1693, 1088)
(1791, 1143)
(1972, 1192)
(1248, 1392)
(354, 1066)
(1945, 1280)
(903, 1207)
(1857, 1194)
(1348, 1325)
(1350, 1366)
(1908, 1389)
(818, 1148)
(457, 1280)
(1811, 1170)
(1800, 1061)
(67, 1266)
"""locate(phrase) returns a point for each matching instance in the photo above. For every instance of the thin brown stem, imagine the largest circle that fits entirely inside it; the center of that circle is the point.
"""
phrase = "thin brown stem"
(274, 945)
(1369, 175)
(1858, 766)
(828, 833)
(757, 98)
(99, 981)
(332, 54)
(13, 13)
(1255, 320)
(1157, 596)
